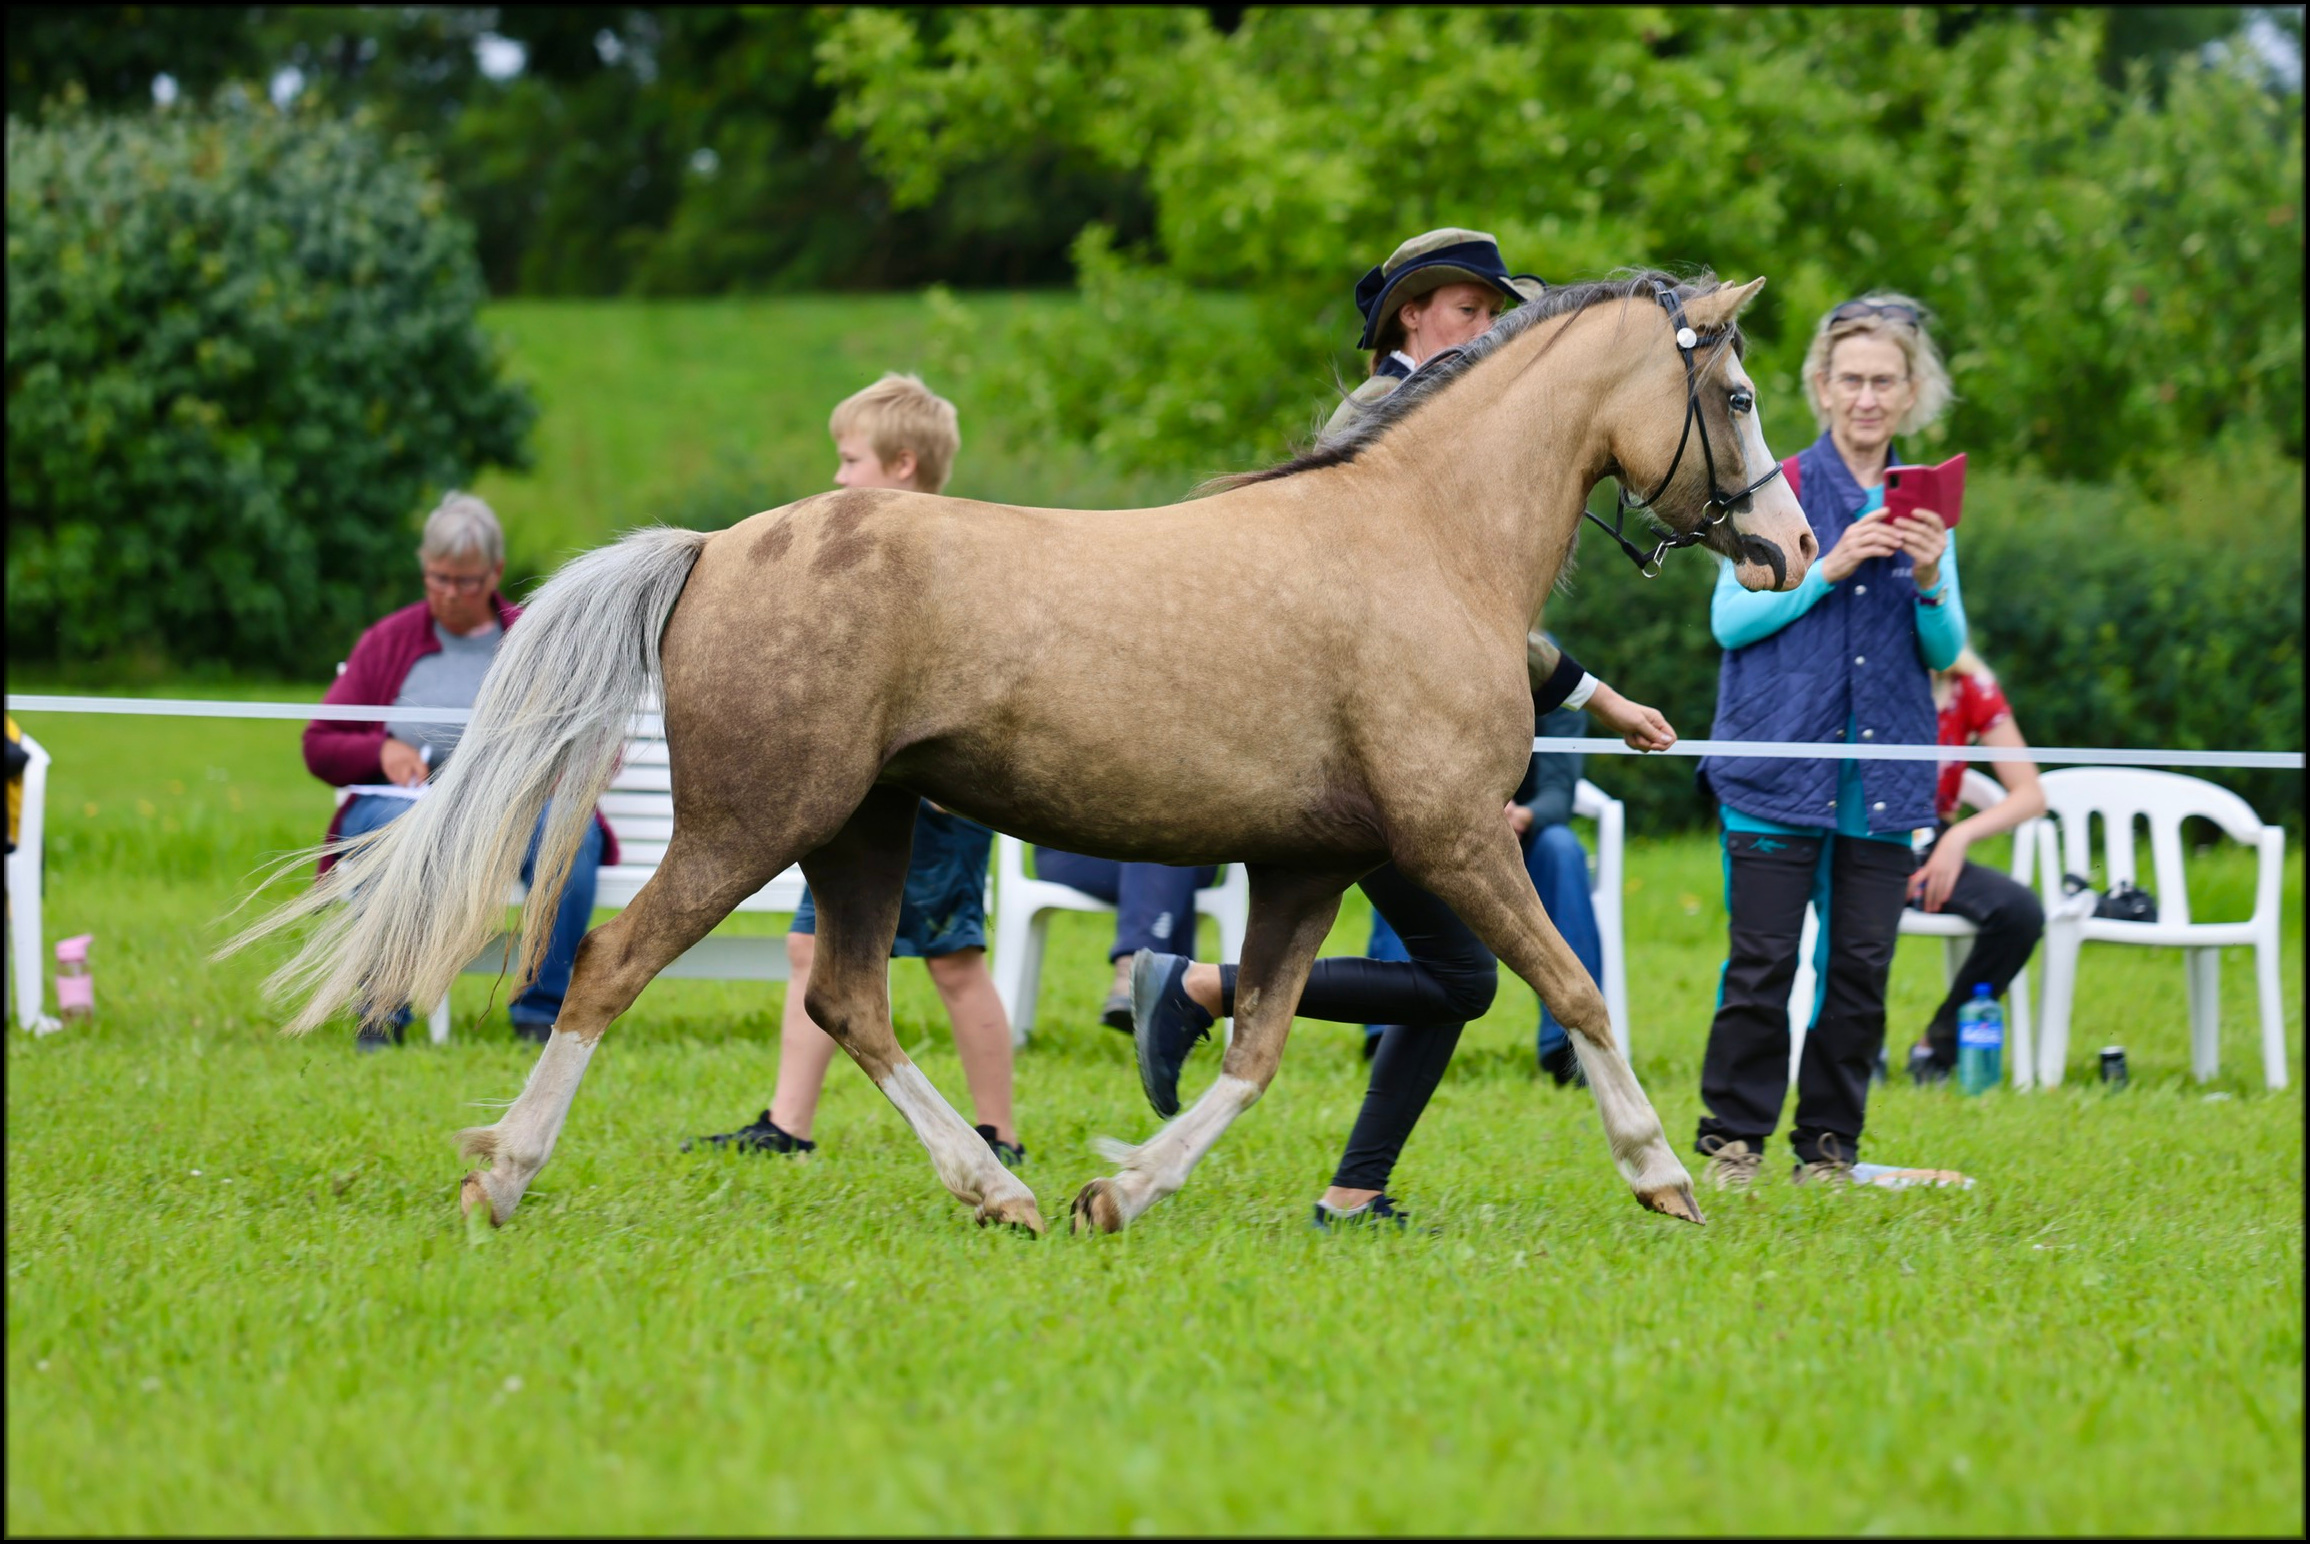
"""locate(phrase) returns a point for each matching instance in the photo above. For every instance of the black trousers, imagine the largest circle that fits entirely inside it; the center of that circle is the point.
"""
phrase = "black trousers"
(2011, 922)
(1745, 1074)
(1425, 1002)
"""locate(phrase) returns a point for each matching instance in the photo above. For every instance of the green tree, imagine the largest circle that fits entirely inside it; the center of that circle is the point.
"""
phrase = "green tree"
(2084, 244)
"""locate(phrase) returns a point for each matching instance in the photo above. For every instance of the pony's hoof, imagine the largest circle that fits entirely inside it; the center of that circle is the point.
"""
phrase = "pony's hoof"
(1676, 1200)
(473, 1200)
(1019, 1214)
(1097, 1209)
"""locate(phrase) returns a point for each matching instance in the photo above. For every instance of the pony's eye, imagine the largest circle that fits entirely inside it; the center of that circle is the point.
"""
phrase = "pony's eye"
(1743, 401)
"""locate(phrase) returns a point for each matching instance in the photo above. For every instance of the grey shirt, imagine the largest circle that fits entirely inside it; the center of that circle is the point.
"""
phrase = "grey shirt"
(449, 679)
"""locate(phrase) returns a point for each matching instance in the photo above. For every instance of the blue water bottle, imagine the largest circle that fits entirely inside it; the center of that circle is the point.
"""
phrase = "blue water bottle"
(1980, 1041)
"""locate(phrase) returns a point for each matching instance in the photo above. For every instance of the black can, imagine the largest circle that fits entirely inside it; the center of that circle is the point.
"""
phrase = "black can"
(2113, 1066)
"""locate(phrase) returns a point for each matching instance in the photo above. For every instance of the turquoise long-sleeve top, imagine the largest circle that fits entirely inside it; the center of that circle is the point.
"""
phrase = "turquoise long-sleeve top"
(1741, 617)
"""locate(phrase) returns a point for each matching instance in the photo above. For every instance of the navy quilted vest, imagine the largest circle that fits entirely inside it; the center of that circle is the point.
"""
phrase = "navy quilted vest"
(1854, 656)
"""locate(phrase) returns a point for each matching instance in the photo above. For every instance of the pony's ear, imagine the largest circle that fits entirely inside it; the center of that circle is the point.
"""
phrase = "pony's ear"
(1718, 307)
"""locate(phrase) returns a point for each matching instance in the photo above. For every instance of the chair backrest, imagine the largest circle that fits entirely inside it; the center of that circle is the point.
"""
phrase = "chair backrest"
(2124, 797)
(640, 803)
(1979, 789)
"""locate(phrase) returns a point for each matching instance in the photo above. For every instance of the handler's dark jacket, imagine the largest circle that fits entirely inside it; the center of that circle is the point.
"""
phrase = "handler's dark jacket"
(1852, 659)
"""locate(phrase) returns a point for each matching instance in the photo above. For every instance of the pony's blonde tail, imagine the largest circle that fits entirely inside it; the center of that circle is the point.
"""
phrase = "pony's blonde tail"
(406, 906)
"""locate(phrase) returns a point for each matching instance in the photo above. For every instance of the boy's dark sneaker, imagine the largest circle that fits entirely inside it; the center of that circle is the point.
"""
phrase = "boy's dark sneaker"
(1562, 1063)
(1378, 1209)
(762, 1136)
(1115, 1012)
(1165, 1025)
(1009, 1154)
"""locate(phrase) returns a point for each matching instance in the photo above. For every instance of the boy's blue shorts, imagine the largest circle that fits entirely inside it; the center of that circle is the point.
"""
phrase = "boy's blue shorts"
(945, 909)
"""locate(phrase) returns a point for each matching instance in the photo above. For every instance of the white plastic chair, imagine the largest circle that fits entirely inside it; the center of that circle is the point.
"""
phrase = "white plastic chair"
(2121, 797)
(1022, 916)
(1980, 791)
(28, 960)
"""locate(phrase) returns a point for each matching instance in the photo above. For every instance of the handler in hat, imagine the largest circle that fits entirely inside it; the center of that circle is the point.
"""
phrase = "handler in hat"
(1435, 292)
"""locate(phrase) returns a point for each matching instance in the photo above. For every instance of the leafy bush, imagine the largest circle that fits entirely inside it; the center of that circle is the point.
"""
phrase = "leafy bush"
(242, 355)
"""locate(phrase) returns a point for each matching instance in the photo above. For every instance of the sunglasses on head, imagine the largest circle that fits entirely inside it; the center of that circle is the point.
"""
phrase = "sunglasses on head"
(1853, 308)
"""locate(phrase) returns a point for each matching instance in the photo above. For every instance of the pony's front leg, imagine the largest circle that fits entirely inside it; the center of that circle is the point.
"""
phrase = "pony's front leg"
(1290, 914)
(1478, 873)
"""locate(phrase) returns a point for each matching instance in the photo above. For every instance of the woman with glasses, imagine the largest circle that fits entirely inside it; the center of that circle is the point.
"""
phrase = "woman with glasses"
(433, 654)
(1845, 658)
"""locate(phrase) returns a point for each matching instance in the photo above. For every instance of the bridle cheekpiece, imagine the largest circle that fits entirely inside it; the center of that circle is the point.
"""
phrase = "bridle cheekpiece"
(1721, 506)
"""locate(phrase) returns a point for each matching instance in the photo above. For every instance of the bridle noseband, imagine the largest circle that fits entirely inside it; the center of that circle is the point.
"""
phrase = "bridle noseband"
(1724, 505)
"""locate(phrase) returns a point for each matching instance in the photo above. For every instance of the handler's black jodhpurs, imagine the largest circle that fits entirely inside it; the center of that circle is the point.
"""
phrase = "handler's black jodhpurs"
(1425, 1002)
(2010, 920)
(1745, 1074)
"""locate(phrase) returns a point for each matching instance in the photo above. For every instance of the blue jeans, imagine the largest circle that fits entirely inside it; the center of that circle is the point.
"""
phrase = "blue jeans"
(1558, 865)
(1154, 902)
(540, 1003)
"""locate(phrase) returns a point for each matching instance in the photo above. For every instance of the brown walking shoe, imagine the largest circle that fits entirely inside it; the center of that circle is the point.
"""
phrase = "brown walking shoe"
(1731, 1165)
(1831, 1168)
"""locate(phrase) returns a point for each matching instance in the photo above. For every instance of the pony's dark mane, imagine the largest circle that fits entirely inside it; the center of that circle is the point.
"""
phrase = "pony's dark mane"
(1375, 422)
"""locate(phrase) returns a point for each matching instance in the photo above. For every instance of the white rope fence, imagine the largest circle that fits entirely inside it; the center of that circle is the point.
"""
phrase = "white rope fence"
(1776, 750)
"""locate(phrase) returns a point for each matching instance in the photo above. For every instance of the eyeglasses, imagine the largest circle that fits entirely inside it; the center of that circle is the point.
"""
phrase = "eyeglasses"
(463, 584)
(1895, 310)
(1850, 385)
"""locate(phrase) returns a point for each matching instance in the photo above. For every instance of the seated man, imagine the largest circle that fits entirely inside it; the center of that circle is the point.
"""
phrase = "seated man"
(1154, 909)
(433, 655)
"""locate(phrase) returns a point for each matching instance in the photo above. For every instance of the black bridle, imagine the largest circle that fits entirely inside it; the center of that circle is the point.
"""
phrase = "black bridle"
(1721, 506)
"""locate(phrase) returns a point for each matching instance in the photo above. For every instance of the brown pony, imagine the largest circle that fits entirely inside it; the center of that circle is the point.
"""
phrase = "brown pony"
(1359, 694)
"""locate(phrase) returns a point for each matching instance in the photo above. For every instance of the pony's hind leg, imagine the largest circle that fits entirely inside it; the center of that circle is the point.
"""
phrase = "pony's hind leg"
(857, 881)
(696, 886)
(1479, 876)
(1290, 913)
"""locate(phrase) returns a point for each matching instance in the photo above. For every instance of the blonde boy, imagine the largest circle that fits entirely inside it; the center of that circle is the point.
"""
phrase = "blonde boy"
(897, 433)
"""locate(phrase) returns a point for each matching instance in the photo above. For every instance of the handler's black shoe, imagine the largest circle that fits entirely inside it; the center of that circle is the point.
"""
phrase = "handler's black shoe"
(1009, 1154)
(1378, 1209)
(763, 1136)
(1165, 1024)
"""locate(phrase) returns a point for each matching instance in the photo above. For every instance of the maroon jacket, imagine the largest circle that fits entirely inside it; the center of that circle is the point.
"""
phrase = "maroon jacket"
(339, 752)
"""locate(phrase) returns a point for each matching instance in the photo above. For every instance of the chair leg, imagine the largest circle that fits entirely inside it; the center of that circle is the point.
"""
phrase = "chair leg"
(2273, 1013)
(2062, 944)
(2024, 1046)
(2205, 976)
(1018, 964)
(438, 1024)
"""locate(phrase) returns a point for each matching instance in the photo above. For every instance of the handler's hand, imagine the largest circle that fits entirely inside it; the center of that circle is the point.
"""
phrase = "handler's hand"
(1871, 536)
(402, 764)
(1643, 728)
(1924, 538)
(1519, 818)
(1939, 875)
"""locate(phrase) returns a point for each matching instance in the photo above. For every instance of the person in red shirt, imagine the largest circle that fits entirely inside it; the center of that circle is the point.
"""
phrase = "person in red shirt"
(1973, 711)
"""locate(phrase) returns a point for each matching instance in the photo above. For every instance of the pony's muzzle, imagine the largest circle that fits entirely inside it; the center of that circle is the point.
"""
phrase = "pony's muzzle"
(1767, 554)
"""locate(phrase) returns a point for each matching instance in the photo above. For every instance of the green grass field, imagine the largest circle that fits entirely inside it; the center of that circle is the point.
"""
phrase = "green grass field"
(239, 1297)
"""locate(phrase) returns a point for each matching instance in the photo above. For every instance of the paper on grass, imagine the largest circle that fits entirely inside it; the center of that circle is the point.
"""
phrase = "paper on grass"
(1888, 1177)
